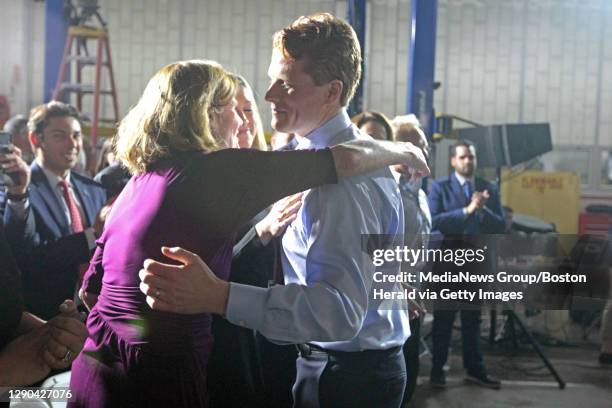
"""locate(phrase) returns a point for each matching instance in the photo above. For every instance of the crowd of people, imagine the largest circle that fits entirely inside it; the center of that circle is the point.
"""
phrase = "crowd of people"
(216, 271)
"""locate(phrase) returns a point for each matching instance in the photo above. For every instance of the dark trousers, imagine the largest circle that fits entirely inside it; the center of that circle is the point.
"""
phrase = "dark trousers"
(248, 371)
(470, 339)
(411, 357)
(350, 380)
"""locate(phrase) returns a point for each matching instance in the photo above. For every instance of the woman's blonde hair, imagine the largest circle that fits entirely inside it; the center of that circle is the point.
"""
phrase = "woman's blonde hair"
(259, 139)
(172, 114)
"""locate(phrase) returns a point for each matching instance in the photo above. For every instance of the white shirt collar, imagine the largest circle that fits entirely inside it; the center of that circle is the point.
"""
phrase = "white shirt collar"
(323, 135)
(462, 179)
(53, 178)
(396, 174)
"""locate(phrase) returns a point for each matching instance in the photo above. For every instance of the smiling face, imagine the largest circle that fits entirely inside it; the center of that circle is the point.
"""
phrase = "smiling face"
(298, 104)
(59, 145)
(226, 122)
(246, 134)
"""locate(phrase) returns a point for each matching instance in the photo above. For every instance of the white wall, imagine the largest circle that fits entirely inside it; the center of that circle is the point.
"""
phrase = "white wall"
(498, 61)
(528, 61)
(22, 53)
(145, 35)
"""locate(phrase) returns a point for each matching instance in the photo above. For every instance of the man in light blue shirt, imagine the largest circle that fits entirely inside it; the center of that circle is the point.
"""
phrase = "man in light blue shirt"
(328, 297)
(349, 339)
(322, 255)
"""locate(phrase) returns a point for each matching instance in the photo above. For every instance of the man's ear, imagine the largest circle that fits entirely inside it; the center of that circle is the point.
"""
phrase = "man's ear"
(35, 140)
(334, 91)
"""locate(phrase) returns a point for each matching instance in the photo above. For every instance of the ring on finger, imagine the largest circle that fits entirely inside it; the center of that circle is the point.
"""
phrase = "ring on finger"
(68, 356)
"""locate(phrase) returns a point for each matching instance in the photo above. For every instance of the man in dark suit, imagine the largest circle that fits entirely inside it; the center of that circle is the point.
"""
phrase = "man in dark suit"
(51, 218)
(462, 207)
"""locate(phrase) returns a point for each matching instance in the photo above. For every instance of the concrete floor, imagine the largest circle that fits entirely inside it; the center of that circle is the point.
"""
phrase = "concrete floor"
(514, 395)
(525, 380)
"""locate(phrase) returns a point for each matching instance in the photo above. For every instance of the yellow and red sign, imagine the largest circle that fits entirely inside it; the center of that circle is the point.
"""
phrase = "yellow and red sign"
(552, 196)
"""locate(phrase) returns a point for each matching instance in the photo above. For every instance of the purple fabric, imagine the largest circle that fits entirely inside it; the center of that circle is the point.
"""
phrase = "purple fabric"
(133, 353)
(138, 357)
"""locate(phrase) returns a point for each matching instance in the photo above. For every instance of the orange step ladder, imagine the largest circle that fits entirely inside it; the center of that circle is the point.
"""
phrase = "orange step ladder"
(75, 50)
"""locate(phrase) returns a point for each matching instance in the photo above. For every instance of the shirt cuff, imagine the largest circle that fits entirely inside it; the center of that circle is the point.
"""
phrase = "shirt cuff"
(91, 238)
(246, 305)
(19, 207)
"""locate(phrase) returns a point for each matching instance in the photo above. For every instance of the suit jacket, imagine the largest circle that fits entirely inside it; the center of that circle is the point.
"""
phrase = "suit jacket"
(450, 231)
(47, 251)
(447, 200)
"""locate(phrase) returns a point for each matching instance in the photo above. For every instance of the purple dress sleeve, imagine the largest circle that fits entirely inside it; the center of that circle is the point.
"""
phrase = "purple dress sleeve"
(231, 186)
(198, 201)
(223, 190)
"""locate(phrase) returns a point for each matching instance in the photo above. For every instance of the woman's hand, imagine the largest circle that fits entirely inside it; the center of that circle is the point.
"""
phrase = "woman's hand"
(22, 362)
(67, 334)
(282, 214)
(30, 357)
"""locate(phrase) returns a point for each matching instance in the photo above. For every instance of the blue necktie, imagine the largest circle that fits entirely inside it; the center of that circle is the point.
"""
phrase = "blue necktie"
(467, 188)
(472, 226)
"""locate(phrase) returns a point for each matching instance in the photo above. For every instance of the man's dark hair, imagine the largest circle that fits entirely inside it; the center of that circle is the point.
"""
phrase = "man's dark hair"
(377, 117)
(464, 143)
(40, 115)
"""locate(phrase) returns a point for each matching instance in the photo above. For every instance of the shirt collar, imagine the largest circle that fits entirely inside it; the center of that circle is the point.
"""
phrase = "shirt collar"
(396, 174)
(53, 178)
(462, 179)
(324, 135)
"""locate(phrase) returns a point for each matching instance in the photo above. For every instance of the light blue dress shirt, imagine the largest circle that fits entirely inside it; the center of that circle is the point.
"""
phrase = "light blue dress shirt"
(328, 297)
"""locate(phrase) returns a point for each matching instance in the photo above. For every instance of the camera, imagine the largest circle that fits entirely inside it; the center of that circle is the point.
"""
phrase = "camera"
(7, 179)
(5, 141)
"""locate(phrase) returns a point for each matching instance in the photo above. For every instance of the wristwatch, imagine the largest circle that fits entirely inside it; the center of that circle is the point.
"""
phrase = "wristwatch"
(16, 197)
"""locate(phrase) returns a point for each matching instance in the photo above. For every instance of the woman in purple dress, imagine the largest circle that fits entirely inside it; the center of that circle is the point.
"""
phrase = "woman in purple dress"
(186, 191)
